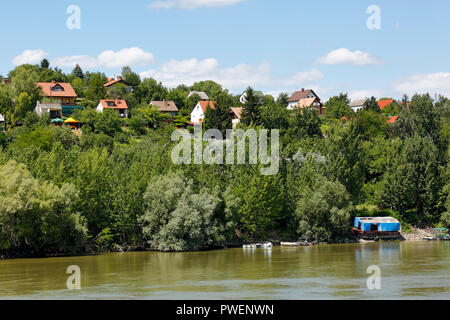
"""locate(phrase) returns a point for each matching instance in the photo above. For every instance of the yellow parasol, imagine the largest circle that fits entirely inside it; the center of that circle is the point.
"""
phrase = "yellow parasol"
(71, 120)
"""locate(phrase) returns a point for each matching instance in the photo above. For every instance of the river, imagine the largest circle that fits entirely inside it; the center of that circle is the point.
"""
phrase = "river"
(409, 270)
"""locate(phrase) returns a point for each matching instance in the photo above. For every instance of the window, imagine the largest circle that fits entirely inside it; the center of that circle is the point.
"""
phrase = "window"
(57, 88)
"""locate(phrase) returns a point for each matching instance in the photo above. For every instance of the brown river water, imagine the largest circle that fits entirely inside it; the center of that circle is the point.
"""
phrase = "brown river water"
(408, 270)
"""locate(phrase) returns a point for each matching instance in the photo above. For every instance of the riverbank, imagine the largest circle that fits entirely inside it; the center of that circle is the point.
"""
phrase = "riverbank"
(416, 234)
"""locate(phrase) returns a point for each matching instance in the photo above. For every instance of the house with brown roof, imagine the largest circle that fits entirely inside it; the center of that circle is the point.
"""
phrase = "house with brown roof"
(357, 105)
(236, 116)
(202, 95)
(198, 114)
(305, 99)
(58, 92)
(113, 84)
(166, 106)
(115, 104)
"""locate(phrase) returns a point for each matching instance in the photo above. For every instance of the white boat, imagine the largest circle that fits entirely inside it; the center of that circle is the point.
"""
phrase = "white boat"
(267, 245)
(295, 244)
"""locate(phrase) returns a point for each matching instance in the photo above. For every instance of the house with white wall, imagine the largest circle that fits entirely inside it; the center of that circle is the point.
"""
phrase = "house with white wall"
(198, 114)
(120, 106)
(294, 100)
(357, 105)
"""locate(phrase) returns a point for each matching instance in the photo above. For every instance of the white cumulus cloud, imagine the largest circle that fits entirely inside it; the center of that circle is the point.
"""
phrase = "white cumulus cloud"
(85, 62)
(345, 56)
(433, 83)
(190, 4)
(29, 57)
(238, 77)
(361, 94)
(133, 57)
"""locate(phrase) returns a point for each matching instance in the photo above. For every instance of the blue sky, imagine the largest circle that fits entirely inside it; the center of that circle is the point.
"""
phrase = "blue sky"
(274, 46)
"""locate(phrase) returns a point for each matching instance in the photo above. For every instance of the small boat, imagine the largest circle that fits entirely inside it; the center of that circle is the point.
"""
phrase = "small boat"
(296, 244)
(366, 241)
(267, 245)
(429, 238)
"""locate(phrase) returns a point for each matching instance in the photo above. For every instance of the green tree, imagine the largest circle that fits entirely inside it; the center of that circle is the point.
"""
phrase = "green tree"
(323, 211)
(78, 72)
(177, 218)
(37, 216)
(372, 104)
(219, 118)
(45, 64)
(130, 77)
(150, 90)
(283, 100)
(412, 184)
(251, 114)
(211, 88)
(338, 107)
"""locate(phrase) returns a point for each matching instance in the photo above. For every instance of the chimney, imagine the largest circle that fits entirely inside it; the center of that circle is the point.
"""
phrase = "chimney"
(303, 89)
(53, 81)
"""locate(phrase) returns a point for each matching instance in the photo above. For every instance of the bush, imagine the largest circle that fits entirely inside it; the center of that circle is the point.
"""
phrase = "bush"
(38, 216)
(177, 219)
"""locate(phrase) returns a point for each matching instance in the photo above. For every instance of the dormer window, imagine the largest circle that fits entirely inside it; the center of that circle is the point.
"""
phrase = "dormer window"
(110, 104)
(57, 88)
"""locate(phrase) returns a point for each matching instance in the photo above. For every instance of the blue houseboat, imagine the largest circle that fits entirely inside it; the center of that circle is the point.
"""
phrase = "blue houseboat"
(376, 227)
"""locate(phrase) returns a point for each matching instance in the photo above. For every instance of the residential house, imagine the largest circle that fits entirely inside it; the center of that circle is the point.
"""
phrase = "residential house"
(54, 109)
(258, 94)
(113, 84)
(384, 103)
(236, 116)
(305, 99)
(357, 105)
(58, 96)
(294, 100)
(119, 105)
(198, 114)
(58, 92)
(201, 94)
(166, 106)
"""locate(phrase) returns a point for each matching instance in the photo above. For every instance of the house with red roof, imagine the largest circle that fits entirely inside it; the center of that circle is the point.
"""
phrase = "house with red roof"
(115, 104)
(58, 92)
(384, 103)
(113, 84)
(198, 114)
(58, 99)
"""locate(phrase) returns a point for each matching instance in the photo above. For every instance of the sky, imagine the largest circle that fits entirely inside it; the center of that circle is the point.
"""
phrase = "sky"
(384, 48)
